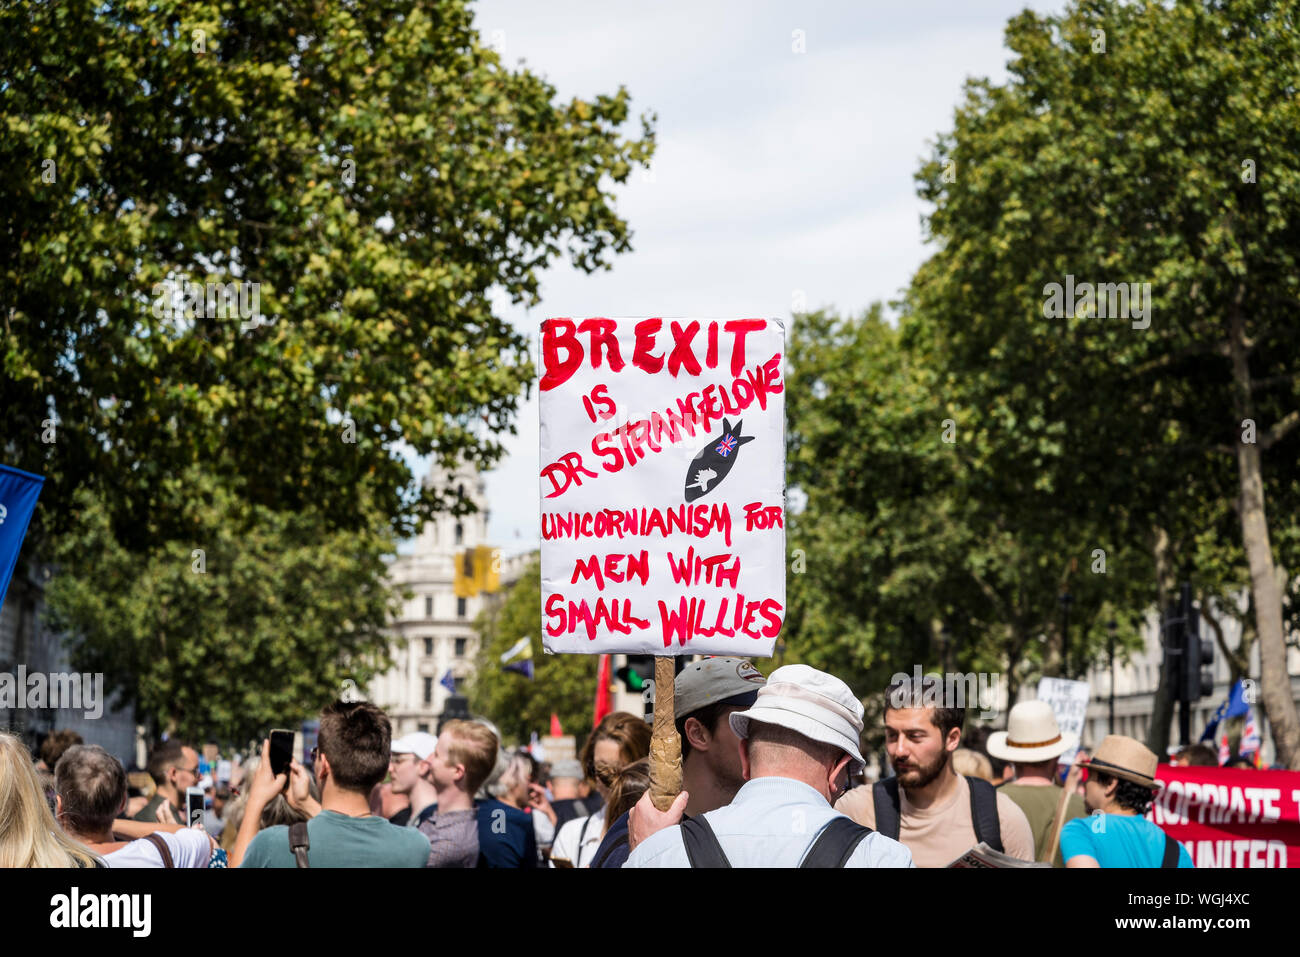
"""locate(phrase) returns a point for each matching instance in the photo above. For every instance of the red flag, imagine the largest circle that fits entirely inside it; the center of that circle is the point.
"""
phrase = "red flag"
(556, 730)
(603, 706)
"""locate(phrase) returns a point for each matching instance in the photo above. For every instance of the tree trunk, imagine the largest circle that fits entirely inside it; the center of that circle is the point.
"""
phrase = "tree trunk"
(1276, 684)
(1238, 660)
(1162, 704)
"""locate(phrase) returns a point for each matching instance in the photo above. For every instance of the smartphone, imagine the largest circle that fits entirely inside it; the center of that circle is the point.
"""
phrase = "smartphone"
(194, 807)
(281, 751)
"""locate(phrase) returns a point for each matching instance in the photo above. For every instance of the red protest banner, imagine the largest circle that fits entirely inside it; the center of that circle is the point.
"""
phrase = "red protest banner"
(1231, 817)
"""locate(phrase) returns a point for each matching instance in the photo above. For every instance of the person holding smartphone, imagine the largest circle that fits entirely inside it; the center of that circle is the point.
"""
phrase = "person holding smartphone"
(352, 756)
(174, 767)
(91, 792)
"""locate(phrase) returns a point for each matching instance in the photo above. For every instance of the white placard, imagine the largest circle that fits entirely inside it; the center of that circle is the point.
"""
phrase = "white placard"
(1069, 701)
(663, 485)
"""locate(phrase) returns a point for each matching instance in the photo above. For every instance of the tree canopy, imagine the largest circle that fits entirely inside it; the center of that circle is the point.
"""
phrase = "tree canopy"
(369, 176)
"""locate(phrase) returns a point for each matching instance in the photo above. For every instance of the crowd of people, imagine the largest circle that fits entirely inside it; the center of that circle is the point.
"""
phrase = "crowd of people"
(772, 776)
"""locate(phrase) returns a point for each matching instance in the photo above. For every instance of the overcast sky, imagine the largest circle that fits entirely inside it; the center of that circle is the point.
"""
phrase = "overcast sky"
(777, 175)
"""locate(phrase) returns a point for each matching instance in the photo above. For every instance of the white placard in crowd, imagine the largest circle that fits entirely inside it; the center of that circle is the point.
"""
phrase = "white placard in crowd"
(663, 485)
(1069, 701)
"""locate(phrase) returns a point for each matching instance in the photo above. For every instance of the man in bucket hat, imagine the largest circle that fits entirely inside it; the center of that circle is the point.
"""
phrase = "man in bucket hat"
(1121, 784)
(1031, 745)
(798, 744)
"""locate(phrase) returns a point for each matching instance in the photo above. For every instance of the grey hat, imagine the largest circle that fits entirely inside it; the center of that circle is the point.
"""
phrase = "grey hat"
(711, 680)
(567, 769)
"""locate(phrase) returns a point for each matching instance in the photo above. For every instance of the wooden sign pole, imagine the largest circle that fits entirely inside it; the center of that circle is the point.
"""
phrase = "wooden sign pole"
(1054, 837)
(665, 746)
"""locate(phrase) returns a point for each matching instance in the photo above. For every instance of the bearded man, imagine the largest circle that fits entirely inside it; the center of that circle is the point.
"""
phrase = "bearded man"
(934, 812)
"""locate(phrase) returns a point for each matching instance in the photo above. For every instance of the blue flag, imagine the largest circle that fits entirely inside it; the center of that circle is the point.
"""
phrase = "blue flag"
(1235, 705)
(524, 667)
(448, 682)
(19, 491)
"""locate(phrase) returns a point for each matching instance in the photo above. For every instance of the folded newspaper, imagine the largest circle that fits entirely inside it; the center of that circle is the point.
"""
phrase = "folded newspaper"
(981, 855)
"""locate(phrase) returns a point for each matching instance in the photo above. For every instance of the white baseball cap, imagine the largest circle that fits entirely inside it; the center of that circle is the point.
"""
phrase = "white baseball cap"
(419, 743)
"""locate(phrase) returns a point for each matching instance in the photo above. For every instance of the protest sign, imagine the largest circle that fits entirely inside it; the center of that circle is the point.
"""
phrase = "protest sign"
(1069, 701)
(662, 485)
(1231, 817)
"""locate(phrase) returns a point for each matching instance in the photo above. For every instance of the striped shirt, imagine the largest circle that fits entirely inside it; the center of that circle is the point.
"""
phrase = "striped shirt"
(453, 838)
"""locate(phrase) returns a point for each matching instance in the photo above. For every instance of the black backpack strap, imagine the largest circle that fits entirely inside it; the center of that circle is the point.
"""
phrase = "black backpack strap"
(164, 851)
(984, 813)
(884, 794)
(298, 843)
(702, 847)
(836, 843)
(1171, 853)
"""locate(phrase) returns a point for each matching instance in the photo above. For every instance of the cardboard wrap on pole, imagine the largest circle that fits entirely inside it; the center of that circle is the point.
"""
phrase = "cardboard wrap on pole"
(1058, 822)
(665, 746)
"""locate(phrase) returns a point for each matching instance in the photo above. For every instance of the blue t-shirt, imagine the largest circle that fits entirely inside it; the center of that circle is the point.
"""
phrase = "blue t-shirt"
(1118, 840)
(505, 836)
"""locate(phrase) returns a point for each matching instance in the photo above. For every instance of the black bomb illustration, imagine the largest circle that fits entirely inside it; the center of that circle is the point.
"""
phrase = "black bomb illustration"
(714, 461)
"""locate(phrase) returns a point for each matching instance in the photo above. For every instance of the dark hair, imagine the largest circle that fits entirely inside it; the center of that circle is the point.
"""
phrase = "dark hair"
(707, 716)
(1199, 756)
(631, 734)
(1129, 794)
(903, 694)
(355, 737)
(165, 756)
(92, 784)
(55, 743)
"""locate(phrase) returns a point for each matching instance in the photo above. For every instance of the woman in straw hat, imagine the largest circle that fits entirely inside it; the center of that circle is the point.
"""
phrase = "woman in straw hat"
(1121, 783)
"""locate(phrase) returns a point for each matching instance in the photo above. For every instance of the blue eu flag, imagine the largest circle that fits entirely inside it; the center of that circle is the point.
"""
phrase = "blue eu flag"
(1235, 705)
(19, 491)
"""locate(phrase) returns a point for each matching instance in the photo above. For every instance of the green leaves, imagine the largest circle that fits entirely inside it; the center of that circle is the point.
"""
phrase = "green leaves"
(565, 684)
(376, 172)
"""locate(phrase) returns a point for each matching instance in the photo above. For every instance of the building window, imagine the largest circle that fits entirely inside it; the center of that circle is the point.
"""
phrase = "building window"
(460, 647)
(428, 647)
(428, 606)
(460, 607)
(460, 534)
(422, 727)
(428, 691)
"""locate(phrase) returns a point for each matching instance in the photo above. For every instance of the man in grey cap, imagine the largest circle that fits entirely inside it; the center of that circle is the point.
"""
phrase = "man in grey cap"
(798, 744)
(705, 694)
(566, 799)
